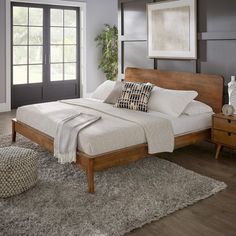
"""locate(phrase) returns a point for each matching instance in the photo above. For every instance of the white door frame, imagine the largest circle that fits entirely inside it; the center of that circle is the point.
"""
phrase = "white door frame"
(82, 6)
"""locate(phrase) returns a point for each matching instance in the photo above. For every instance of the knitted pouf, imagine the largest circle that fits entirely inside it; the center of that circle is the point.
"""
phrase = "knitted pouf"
(18, 170)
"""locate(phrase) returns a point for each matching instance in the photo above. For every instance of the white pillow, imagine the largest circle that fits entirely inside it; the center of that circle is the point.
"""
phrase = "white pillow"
(170, 102)
(103, 90)
(196, 108)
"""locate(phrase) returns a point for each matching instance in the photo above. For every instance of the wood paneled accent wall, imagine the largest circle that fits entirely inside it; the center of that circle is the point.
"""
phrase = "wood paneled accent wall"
(216, 39)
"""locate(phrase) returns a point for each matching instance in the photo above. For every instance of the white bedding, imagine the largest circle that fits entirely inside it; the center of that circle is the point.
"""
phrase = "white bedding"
(108, 134)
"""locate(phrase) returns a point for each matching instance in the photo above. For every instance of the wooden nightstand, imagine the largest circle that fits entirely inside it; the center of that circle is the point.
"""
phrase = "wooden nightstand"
(223, 131)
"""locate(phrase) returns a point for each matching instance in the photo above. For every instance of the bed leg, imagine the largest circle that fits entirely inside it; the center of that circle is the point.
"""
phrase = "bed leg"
(13, 135)
(90, 176)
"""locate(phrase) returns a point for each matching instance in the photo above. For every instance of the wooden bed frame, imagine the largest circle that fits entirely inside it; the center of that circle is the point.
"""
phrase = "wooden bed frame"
(209, 88)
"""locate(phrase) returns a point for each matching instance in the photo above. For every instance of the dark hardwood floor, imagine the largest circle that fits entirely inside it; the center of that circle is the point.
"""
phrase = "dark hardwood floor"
(5, 122)
(213, 216)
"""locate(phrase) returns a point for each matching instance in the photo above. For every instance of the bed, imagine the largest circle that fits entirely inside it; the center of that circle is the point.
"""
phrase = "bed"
(38, 123)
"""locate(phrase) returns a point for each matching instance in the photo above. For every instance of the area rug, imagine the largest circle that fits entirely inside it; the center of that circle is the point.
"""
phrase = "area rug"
(126, 197)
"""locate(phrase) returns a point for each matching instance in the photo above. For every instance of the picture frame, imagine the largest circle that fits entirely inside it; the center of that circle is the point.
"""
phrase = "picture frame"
(172, 29)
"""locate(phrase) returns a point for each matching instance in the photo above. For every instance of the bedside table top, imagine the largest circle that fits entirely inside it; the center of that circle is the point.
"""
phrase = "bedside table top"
(222, 116)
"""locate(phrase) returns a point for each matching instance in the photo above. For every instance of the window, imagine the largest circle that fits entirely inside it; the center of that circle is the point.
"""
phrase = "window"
(27, 45)
(63, 44)
(44, 44)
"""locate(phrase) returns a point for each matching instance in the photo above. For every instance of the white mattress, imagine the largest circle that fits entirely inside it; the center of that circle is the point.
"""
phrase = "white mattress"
(107, 134)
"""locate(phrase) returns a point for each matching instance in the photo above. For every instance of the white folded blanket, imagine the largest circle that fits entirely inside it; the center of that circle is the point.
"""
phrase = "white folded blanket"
(158, 131)
(65, 141)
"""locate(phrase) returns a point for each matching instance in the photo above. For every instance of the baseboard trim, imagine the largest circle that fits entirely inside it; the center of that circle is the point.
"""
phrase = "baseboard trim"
(4, 107)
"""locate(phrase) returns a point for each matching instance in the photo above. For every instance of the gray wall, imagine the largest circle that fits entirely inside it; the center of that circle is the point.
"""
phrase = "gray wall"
(2, 53)
(216, 39)
(99, 12)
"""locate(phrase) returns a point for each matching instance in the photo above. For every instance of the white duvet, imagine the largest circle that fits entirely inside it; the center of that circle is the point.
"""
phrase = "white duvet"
(118, 128)
(158, 131)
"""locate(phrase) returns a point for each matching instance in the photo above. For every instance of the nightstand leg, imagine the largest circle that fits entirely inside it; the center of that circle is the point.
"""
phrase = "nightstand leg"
(218, 148)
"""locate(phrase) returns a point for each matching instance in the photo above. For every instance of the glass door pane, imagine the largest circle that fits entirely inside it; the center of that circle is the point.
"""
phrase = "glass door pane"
(45, 53)
(27, 45)
(63, 44)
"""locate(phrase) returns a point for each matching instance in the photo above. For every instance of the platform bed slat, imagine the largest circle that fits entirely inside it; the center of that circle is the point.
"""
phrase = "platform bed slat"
(213, 96)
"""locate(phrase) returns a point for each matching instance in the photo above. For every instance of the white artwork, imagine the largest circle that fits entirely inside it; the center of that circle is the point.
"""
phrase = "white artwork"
(172, 29)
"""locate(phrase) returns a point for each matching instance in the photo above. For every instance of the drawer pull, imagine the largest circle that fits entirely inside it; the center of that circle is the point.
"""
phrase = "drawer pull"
(229, 121)
(229, 134)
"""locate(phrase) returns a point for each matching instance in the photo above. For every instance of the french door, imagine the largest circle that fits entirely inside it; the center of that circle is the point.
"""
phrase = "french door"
(45, 53)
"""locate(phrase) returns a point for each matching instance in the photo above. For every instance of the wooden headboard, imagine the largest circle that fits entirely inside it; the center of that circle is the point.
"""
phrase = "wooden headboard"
(209, 87)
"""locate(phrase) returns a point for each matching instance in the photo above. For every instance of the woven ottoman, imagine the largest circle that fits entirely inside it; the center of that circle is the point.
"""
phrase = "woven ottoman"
(18, 170)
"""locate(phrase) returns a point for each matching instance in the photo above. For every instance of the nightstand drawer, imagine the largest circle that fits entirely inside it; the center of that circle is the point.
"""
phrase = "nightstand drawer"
(224, 124)
(227, 138)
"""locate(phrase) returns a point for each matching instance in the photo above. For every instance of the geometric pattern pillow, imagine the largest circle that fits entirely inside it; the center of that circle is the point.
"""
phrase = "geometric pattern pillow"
(135, 96)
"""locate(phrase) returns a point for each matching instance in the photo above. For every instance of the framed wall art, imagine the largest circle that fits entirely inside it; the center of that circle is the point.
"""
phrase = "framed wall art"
(172, 29)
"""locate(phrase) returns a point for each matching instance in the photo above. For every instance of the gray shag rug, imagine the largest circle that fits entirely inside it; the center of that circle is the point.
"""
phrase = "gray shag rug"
(126, 197)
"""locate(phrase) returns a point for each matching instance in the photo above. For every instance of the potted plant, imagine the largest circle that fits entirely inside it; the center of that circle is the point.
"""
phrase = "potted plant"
(108, 40)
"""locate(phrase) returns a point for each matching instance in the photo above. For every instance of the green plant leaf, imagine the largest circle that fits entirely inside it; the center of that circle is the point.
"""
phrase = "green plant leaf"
(108, 41)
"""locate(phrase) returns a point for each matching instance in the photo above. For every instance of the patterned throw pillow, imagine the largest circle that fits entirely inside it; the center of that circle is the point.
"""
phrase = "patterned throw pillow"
(135, 96)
